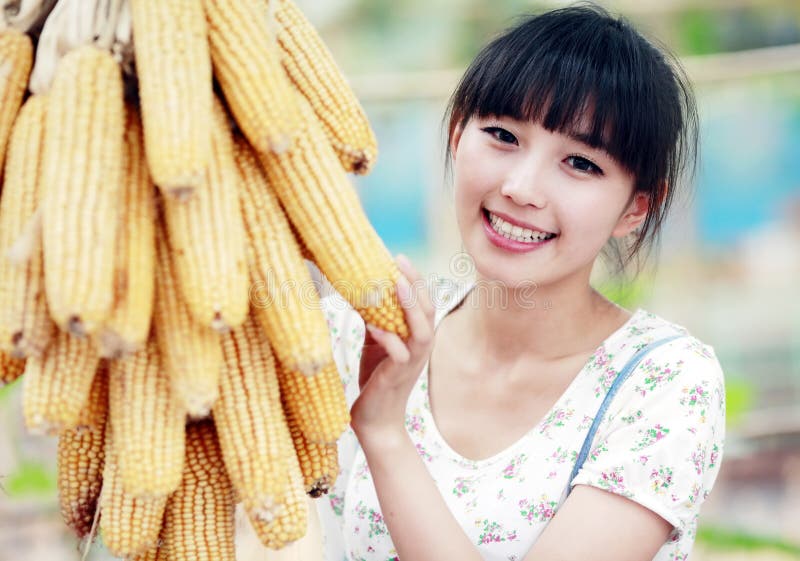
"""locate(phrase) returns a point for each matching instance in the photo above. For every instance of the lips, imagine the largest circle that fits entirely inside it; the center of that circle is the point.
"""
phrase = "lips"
(510, 244)
(514, 221)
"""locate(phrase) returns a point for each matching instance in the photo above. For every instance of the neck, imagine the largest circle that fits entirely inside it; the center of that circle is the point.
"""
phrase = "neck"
(507, 324)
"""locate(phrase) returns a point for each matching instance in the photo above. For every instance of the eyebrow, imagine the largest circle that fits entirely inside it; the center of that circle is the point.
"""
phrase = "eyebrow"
(584, 138)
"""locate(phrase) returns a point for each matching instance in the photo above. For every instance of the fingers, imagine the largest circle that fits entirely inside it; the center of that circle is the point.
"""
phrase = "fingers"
(420, 322)
(419, 292)
(392, 344)
(419, 326)
(419, 312)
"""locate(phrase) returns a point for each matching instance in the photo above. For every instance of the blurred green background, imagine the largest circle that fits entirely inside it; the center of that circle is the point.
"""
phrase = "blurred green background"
(728, 267)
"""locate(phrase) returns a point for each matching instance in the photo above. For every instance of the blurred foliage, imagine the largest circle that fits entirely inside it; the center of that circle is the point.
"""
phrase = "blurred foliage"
(628, 294)
(697, 32)
(31, 479)
(739, 398)
(8, 390)
(701, 30)
(736, 539)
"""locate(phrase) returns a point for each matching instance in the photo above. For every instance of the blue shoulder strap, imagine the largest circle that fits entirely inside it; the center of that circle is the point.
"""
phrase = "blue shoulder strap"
(615, 386)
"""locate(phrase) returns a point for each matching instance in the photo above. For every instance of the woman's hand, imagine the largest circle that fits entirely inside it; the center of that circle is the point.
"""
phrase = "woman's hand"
(389, 366)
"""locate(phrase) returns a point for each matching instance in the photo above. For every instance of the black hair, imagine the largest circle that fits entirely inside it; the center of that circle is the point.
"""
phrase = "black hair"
(566, 64)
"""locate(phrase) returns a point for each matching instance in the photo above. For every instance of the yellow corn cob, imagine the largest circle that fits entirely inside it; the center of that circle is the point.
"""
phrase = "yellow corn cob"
(316, 402)
(80, 460)
(127, 328)
(207, 237)
(319, 463)
(25, 324)
(247, 65)
(191, 352)
(199, 521)
(147, 423)
(129, 525)
(287, 307)
(173, 66)
(82, 177)
(326, 210)
(10, 368)
(250, 422)
(16, 58)
(311, 67)
(292, 521)
(57, 384)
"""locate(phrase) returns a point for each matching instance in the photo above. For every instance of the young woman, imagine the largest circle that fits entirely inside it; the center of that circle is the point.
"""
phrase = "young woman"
(528, 418)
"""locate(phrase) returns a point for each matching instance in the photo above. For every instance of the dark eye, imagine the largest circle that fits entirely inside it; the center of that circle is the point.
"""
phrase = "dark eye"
(583, 165)
(501, 135)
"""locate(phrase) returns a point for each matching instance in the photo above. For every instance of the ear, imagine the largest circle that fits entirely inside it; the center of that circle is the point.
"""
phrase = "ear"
(455, 138)
(633, 215)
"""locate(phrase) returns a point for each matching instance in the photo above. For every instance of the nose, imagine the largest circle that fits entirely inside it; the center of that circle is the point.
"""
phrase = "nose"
(526, 183)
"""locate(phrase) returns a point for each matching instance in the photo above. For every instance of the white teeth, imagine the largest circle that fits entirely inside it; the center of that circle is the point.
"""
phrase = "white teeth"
(512, 232)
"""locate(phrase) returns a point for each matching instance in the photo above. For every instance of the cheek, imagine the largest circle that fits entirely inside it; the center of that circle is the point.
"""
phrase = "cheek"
(477, 177)
(586, 224)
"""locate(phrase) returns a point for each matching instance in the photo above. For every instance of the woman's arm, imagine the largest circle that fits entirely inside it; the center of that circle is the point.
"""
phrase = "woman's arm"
(421, 526)
(419, 522)
(601, 526)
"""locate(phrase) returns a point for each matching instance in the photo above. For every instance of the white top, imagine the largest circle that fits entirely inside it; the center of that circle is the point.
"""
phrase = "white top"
(660, 443)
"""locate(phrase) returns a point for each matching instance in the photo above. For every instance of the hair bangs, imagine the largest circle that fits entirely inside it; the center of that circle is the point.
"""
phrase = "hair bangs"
(584, 79)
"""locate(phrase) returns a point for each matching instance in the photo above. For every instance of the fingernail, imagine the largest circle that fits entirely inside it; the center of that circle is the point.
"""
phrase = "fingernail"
(403, 260)
(375, 330)
(404, 291)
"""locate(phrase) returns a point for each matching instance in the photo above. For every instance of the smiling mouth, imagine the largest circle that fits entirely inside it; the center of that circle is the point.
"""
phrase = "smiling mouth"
(515, 233)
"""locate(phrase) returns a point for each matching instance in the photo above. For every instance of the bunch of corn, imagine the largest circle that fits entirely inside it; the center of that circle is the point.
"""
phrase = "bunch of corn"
(166, 167)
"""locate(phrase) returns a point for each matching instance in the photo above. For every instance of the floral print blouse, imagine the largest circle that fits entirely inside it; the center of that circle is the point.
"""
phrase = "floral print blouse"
(660, 443)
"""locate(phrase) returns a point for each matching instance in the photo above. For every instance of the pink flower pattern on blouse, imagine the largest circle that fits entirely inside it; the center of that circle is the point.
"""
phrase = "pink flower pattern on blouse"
(660, 444)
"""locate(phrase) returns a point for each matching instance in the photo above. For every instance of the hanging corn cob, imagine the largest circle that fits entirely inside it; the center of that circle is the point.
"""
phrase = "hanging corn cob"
(81, 188)
(198, 523)
(284, 305)
(191, 352)
(317, 403)
(173, 66)
(25, 324)
(311, 67)
(81, 458)
(292, 520)
(126, 329)
(129, 525)
(16, 58)
(319, 463)
(147, 423)
(207, 237)
(327, 213)
(56, 385)
(247, 65)
(250, 422)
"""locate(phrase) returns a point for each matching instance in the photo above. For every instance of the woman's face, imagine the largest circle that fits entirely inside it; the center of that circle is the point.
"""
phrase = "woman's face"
(550, 181)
